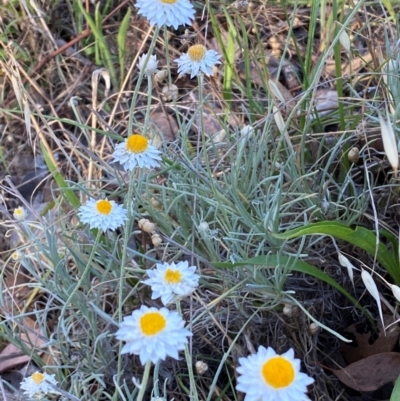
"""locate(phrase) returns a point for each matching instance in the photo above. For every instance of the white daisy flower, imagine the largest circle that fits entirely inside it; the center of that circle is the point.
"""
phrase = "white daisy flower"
(136, 151)
(266, 376)
(16, 256)
(103, 214)
(197, 60)
(166, 12)
(20, 213)
(153, 334)
(171, 281)
(37, 384)
(150, 67)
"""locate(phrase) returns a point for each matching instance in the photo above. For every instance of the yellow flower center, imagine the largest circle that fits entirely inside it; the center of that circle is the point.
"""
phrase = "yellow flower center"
(137, 143)
(104, 206)
(278, 372)
(152, 323)
(173, 276)
(38, 377)
(19, 211)
(169, 1)
(196, 52)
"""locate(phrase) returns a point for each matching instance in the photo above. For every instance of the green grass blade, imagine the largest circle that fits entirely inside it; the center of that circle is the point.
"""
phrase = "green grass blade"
(97, 20)
(361, 237)
(272, 261)
(229, 59)
(105, 53)
(396, 391)
(315, 10)
(66, 192)
(121, 40)
(254, 109)
(338, 69)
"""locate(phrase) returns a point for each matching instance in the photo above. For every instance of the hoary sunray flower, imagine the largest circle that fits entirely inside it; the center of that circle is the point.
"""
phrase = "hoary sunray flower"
(16, 256)
(197, 60)
(266, 376)
(103, 214)
(153, 334)
(20, 213)
(150, 67)
(166, 12)
(171, 281)
(136, 150)
(36, 384)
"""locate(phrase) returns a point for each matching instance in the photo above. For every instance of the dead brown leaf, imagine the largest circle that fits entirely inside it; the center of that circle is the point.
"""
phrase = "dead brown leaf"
(364, 349)
(370, 373)
(165, 124)
(211, 124)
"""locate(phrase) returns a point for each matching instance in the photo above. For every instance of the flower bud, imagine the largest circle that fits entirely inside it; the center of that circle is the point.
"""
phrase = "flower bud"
(313, 328)
(170, 92)
(201, 367)
(289, 310)
(161, 75)
(156, 240)
(146, 225)
(155, 203)
(204, 227)
(353, 155)
(150, 67)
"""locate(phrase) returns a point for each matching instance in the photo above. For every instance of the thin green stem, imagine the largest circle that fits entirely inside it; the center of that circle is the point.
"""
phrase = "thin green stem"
(145, 379)
(129, 198)
(167, 55)
(127, 233)
(148, 108)
(140, 79)
(193, 390)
